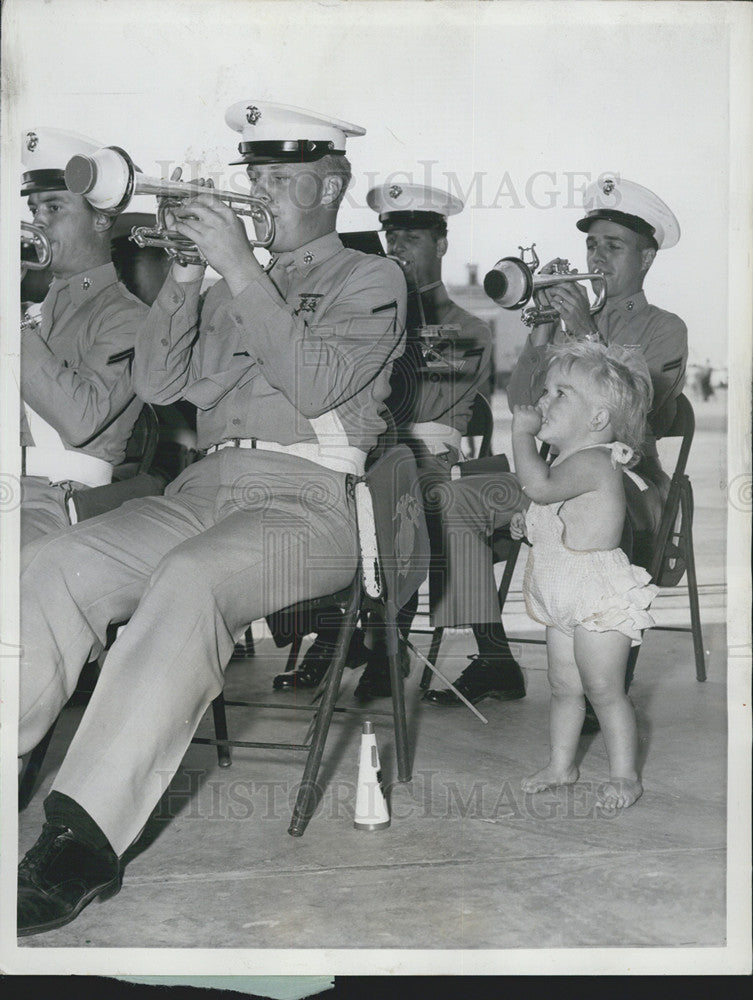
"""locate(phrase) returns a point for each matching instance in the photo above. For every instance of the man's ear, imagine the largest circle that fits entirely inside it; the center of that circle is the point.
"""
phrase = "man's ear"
(103, 222)
(647, 257)
(600, 419)
(333, 187)
(441, 246)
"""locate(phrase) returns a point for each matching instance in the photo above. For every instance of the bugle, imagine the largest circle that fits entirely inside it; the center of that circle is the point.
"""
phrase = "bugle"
(512, 282)
(34, 239)
(108, 179)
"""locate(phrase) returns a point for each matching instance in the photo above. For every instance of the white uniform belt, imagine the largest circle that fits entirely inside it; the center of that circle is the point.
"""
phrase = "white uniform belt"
(344, 459)
(59, 465)
(437, 437)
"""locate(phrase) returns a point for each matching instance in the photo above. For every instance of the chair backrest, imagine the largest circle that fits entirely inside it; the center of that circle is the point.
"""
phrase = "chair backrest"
(394, 538)
(666, 569)
(481, 424)
(682, 426)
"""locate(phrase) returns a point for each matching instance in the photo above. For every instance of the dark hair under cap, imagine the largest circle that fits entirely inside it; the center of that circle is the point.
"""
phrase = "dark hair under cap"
(631, 222)
(414, 220)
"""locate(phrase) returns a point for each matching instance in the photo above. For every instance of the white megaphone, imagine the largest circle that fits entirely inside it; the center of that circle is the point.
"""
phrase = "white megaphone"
(371, 805)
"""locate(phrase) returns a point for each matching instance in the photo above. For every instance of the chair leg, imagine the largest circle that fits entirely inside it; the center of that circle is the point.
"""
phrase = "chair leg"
(398, 694)
(510, 563)
(249, 639)
(32, 769)
(306, 800)
(295, 648)
(220, 730)
(436, 642)
(686, 506)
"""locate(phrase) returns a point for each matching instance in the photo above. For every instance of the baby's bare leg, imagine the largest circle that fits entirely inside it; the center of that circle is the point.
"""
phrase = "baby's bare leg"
(566, 712)
(602, 659)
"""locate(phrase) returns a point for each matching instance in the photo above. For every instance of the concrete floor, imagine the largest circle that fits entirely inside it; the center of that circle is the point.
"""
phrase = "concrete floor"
(469, 861)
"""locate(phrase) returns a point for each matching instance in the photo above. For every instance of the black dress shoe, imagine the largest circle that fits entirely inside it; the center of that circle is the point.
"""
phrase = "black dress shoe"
(375, 680)
(316, 662)
(59, 876)
(486, 677)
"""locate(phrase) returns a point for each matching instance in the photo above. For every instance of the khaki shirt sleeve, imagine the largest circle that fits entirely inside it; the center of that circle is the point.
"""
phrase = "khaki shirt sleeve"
(80, 402)
(163, 362)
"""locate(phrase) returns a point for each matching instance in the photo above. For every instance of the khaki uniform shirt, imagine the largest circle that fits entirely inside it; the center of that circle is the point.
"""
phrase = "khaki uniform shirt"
(303, 352)
(76, 366)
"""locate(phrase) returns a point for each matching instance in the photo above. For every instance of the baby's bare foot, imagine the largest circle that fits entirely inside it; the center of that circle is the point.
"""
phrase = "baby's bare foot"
(549, 777)
(619, 793)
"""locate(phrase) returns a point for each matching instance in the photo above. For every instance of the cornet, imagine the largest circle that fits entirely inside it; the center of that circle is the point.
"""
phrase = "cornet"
(34, 238)
(108, 179)
(511, 283)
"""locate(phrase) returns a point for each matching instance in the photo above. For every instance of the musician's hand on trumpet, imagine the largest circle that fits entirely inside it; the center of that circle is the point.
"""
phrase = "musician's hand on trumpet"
(571, 302)
(218, 233)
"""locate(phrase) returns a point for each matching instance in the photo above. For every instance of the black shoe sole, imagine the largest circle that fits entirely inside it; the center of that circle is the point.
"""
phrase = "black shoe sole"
(512, 695)
(102, 893)
(297, 684)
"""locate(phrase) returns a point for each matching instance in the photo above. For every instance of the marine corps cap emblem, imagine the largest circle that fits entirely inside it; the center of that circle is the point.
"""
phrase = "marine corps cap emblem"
(32, 141)
(395, 191)
(252, 114)
(608, 186)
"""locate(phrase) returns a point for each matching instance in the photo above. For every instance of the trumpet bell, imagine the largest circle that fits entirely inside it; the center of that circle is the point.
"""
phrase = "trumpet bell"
(36, 252)
(109, 179)
(509, 283)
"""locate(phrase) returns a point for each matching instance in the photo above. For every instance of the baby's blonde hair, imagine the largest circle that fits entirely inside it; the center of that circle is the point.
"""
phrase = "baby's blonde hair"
(620, 375)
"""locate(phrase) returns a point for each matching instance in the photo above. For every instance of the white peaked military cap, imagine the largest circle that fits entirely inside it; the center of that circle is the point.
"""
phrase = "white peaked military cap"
(44, 155)
(630, 205)
(412, 206)
(279, 133)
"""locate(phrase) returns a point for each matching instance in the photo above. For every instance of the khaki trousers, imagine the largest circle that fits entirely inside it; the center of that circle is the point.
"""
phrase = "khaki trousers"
(238, 535)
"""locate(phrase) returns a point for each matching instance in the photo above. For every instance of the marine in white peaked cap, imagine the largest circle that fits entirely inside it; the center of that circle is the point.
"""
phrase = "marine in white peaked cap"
(79, 406)
(289, 368)
(633, 206)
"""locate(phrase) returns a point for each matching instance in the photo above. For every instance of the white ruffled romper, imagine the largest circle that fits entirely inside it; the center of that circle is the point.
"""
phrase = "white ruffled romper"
(598, 589)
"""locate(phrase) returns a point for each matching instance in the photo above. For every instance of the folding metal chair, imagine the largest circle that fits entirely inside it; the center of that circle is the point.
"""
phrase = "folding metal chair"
(674, 555)
(394, 560)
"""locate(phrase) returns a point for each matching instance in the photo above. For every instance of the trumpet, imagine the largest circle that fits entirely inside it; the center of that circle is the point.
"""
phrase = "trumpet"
(34, 239)
(108, 179)
(511, 283)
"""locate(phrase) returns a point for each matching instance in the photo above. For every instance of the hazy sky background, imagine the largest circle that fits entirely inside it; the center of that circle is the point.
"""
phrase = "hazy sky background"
(514, 107)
